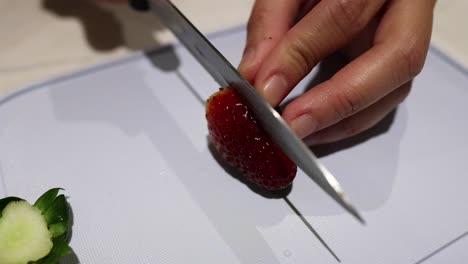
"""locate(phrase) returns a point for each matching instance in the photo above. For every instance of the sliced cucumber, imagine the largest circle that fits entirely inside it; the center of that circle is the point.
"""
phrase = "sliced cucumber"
(24, 235)
(34, 234)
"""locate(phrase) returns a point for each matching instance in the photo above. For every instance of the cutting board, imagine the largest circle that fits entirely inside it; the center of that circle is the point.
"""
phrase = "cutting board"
(128, 142)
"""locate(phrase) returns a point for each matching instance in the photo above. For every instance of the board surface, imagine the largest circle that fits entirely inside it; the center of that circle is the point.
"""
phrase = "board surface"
(128, 142)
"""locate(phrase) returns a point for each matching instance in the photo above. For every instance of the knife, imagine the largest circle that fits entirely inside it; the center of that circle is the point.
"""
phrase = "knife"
(226, 75)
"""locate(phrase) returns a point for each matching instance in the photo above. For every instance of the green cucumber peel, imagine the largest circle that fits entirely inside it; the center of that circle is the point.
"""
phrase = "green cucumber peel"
(46, 200)
(58, 229)
(56, 212)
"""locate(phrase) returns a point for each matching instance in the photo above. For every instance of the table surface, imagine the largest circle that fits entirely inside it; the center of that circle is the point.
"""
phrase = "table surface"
(47, 38)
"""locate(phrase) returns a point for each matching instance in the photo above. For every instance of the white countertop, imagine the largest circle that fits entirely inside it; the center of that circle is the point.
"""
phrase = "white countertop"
(47, 38)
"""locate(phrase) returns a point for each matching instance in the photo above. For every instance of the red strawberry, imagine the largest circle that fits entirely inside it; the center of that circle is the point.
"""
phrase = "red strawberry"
(242, 143)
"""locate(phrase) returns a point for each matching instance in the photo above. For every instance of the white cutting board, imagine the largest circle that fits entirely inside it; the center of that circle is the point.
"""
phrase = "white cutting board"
(128, 142)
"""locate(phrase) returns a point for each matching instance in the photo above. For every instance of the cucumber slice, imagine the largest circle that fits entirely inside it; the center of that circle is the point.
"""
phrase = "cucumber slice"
(35, 234)
(24, 235)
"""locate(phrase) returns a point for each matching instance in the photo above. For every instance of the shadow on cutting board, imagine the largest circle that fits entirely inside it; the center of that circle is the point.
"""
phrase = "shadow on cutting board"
(238, 175)
(107, 26)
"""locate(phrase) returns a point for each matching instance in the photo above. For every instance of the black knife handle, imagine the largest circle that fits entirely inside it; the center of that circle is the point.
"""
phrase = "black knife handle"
(139, 5)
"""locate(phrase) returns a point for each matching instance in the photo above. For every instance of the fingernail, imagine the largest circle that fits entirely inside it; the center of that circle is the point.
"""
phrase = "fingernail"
(274, 89)
(248, 59)
(304, 125)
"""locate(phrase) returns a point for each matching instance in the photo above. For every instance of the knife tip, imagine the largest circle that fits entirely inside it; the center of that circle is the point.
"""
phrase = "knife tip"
(355, 213)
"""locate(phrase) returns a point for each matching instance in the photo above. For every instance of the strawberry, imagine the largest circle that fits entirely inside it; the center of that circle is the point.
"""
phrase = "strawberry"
(244, 145)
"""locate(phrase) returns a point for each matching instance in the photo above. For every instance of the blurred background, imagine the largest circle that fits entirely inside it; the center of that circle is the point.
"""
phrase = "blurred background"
(42, 39)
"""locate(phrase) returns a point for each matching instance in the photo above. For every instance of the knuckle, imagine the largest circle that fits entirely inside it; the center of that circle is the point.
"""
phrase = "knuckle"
(347, 103)
(347, 14)
(302, 56)
(414, 57)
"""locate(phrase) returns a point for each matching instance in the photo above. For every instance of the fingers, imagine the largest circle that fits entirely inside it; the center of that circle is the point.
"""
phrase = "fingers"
(269, 21)
(325, 29)
(398, 55)
(361, 121)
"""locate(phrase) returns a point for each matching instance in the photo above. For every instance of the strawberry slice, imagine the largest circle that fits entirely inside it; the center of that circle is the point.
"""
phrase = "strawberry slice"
(244, 145)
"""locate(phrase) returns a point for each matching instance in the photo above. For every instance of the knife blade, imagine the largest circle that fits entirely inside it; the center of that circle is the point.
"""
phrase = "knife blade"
(226, 75)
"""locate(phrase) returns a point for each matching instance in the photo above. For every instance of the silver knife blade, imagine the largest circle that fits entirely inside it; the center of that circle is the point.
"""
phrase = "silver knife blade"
(227, 76)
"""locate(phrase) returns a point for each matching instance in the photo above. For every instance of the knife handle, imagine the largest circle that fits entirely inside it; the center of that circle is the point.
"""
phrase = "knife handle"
(139, 5)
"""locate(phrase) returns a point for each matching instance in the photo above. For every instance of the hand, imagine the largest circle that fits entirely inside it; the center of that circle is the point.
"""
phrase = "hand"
(386, 41)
